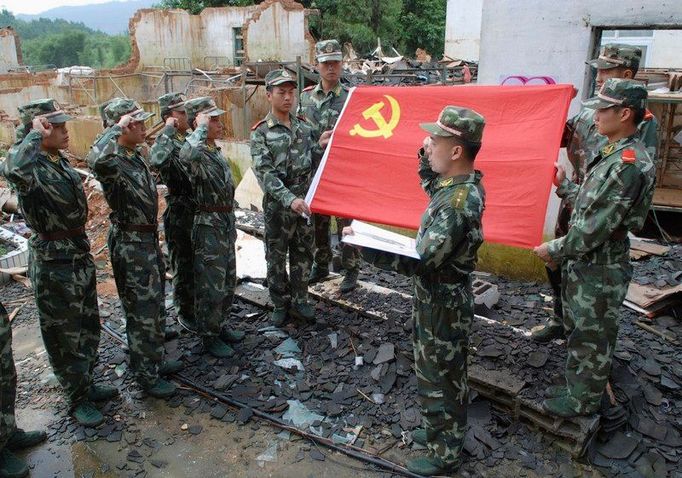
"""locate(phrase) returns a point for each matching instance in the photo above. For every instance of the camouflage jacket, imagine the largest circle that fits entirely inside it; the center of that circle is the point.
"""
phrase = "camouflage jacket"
(209, 173)
(449, 236)
(583, 142)
(128, 185)
(613, 199)
(51, 196)
(282, 158)
(165, 157)
(322, 110)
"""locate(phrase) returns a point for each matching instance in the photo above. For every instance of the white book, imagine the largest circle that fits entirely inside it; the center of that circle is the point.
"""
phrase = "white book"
(366, 235)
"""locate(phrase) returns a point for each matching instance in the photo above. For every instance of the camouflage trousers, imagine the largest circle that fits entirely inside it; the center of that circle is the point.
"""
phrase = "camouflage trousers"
(177, 222)
(287, 233)
(441, 344)
(554, 276)
(65, 292)
(592, 297)
(215, 270)
(8, 380)
(138, 267)
(350, 256)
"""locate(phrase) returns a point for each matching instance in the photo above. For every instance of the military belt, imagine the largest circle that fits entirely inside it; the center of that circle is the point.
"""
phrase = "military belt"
(619, 235)
(205, 208)
(59, 235)
(148, 228)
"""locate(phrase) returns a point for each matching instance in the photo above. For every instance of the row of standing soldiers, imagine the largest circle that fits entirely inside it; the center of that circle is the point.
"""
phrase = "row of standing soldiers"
(199, 224)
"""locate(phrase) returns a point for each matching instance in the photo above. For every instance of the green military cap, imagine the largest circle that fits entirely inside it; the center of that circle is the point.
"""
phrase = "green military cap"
(279, 77)
(171, 102)
(614, 55)
(105, 120)
(455, 121)
(328, 50)
(46, 108)
(619, 92)
(119, 107)
(203, 104)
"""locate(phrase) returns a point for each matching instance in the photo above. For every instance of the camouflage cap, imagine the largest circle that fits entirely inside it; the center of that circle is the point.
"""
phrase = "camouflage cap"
(279, 77)
(203, 104)
(457, 121)
(614, 55)
(171, 102)
(46, 108)
(118, 107)
(619, 92)
(328, 50)
(105, 120)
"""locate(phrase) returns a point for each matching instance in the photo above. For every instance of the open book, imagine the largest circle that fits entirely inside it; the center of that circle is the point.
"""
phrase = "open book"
(366, 235)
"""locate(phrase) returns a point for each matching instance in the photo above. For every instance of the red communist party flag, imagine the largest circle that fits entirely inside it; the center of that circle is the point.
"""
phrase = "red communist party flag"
(369, 171)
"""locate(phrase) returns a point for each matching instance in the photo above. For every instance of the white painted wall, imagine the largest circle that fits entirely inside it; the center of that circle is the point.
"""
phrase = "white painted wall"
(463, 29)
(278, 34)
(666, 49)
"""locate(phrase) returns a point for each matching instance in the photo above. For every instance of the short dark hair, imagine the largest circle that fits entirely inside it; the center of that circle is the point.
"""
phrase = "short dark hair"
(637, 114)
(470, 148)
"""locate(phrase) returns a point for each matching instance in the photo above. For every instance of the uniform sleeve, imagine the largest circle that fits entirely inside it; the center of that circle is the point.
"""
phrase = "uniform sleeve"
(198, 136)
(603, 215)
(568, 190)
(648, 133)
(437, 242)
(103, 139)
(102, 159)
(162, 150)
(264, 169)
(20, 162)
(426, 174)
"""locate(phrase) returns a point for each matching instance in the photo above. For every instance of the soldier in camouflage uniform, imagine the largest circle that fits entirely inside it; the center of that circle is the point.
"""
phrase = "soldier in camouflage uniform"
(282, 146)
(11, 437)
(321, 105)
(133, 243)
(213, 231)
(53, 201)
(582, 142)
(614, 198)
(447, 242)
(179, 213)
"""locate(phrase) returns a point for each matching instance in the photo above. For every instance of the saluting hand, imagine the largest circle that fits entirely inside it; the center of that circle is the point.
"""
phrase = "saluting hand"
(203, 119)
(170, 121)
(124, 122)
(42, 126)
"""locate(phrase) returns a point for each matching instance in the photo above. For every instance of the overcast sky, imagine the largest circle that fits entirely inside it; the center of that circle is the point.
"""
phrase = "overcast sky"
(38, 6)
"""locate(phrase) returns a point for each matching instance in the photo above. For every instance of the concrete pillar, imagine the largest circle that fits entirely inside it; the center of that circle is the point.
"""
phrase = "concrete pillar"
(463, 29)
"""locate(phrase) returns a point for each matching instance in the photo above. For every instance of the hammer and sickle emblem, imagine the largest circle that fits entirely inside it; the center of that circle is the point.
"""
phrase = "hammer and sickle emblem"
(383, 128)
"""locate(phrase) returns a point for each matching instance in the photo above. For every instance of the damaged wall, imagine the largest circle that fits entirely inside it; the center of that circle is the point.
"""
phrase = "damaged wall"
(10, 49)
(276, 29)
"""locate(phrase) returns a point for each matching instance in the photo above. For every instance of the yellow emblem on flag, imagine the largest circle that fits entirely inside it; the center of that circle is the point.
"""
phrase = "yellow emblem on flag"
(383, 128)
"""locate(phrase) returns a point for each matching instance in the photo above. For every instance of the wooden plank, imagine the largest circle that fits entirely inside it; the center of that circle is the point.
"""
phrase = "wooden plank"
(645, 296)
(636, 255)
(650, 247)
(668, 197)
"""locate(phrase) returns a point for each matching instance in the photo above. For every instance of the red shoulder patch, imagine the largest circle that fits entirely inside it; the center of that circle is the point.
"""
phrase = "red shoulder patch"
(309, 88)
(257, 124)
(628, 156)
(648, 116)
(302, 118)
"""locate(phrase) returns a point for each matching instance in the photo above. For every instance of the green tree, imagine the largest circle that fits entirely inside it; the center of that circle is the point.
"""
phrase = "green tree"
(423, 24)
(196, 6)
